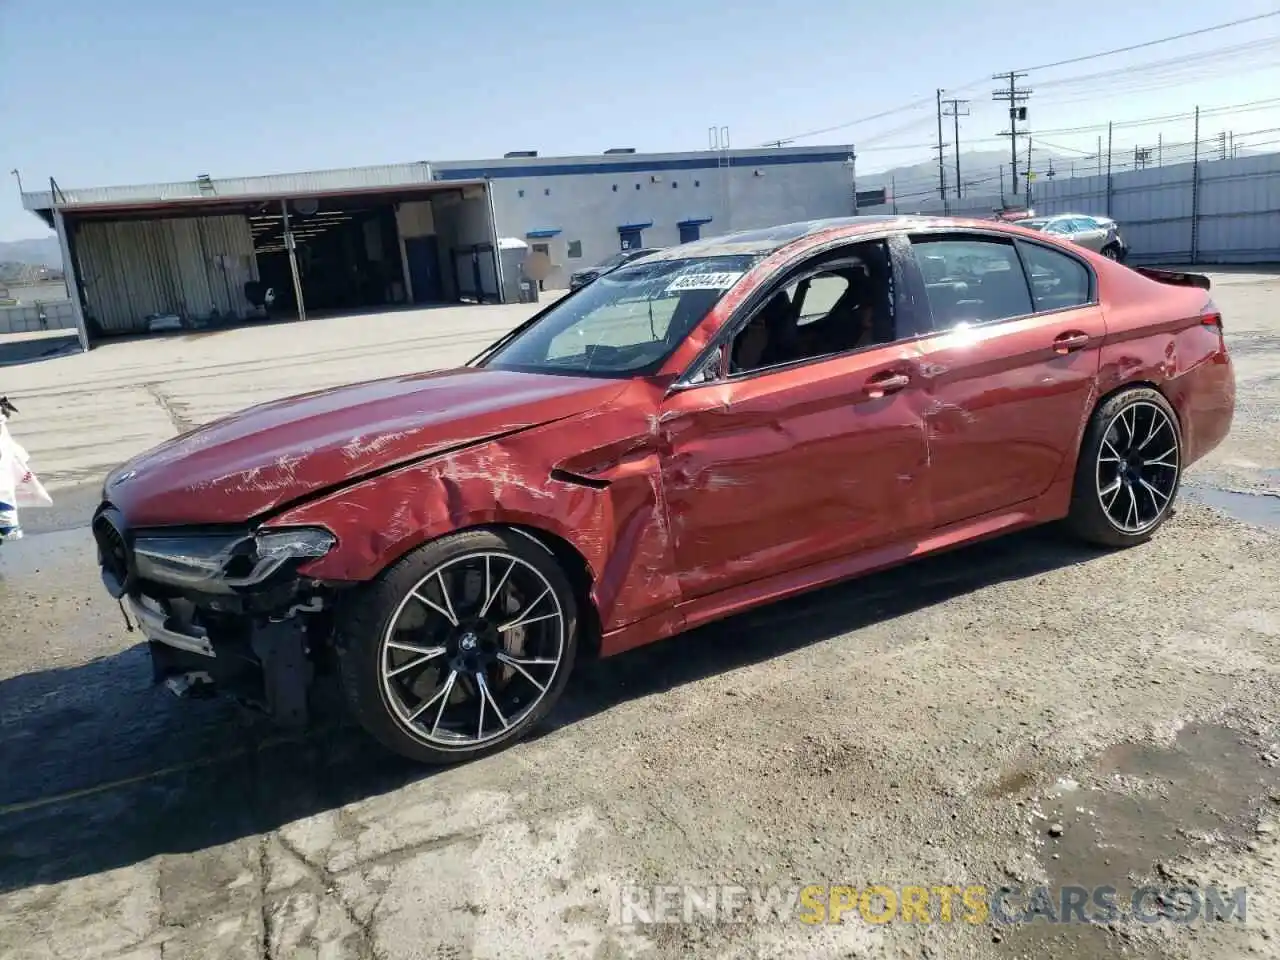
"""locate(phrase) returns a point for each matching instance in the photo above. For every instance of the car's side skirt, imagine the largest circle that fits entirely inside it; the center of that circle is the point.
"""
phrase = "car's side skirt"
(1052, 505)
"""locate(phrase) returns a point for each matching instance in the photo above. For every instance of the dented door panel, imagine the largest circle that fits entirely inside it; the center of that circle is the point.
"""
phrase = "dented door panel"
(1004, 409)
(792, 467)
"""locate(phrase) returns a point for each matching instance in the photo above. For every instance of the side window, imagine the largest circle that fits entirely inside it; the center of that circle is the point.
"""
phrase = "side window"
(839, 303)
(1057, 280)
(971, 281)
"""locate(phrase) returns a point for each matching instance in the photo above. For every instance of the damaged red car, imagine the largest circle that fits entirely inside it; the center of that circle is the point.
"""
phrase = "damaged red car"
(712, 427)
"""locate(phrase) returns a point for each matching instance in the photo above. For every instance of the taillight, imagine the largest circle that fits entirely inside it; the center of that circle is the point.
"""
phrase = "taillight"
(1210, 316)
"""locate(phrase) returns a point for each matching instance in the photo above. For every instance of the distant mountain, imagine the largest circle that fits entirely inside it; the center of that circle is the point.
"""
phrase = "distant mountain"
(37, 252)
(981, 172)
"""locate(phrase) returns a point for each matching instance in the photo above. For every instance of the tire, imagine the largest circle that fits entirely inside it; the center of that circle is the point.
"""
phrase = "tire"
(1147, 477)
(1112, 252)
(385, 686)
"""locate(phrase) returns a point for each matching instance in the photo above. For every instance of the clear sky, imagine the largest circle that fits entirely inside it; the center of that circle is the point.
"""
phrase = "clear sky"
(142, 90)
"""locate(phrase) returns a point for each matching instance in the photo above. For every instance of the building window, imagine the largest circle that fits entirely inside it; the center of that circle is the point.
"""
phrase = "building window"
(697, 183)
(546, 192)
(575, 247)
(615, 188)
(674, 184)
(637, 186)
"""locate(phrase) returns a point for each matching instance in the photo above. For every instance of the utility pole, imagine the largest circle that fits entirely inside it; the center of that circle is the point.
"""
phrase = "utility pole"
(1108, 168)
(954, 108)
(1015, 98)
(1029, 177)
(942, 170)
(1100, 151)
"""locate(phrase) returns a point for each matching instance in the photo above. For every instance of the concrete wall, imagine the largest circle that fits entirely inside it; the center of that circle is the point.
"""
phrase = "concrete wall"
(1230, 213)
(583, 201)
(34, 317)
(42, 292)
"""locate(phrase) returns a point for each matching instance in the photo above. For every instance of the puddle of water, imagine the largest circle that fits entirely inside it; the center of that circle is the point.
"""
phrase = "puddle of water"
(1147, 808)
(1260, 510)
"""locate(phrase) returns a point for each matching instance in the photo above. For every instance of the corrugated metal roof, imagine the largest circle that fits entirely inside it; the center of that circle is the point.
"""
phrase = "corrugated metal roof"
(281, 184)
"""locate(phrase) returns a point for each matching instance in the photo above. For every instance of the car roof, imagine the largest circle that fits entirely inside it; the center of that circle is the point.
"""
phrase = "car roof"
(771, 239)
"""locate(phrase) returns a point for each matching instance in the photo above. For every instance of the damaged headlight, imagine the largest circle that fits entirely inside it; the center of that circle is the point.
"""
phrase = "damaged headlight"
(220, 562)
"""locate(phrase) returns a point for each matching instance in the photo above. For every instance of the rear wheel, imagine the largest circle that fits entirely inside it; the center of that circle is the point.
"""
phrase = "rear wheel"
(1129, 469)
(1112, 251)
(461, 648)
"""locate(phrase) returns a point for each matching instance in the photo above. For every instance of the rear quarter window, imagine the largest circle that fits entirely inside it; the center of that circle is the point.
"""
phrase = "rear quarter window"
(1058, 281)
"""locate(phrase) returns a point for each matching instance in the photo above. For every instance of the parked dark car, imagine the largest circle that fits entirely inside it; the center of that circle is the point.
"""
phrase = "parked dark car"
(723, 424)
(581, 278)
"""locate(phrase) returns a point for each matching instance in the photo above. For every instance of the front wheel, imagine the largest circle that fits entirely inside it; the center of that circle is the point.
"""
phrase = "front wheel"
(1129, 469)
(1112, 252)
(461, 648)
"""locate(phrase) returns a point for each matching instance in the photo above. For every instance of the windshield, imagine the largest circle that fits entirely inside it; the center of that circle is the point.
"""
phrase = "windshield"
(627, 322)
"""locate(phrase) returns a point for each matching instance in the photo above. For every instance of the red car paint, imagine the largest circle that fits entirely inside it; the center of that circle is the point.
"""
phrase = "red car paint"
(692, 504)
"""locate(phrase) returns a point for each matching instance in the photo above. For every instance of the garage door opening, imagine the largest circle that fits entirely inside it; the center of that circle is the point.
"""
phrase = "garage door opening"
(348, 255)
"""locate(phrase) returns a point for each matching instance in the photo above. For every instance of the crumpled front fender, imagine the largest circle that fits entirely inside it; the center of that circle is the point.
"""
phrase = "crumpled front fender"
(613, 515)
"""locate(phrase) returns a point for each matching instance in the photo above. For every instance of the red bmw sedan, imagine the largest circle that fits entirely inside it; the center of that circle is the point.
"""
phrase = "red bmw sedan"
(709, 428)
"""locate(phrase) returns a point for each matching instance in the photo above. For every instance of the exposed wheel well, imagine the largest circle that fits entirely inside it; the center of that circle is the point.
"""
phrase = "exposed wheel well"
(578, 572)
(1132, 385)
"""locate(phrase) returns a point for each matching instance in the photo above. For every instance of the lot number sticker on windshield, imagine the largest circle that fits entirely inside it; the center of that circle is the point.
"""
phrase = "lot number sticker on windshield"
(705, 281)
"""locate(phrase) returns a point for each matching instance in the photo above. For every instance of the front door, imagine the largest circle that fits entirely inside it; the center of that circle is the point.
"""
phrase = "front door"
(630, 239)
(779, 467)
(1010, 371)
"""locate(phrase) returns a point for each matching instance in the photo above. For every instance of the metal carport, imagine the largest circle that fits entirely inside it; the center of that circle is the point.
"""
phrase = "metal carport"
(191, 247)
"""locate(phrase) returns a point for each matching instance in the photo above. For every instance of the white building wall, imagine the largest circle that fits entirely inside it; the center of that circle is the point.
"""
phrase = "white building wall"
(585, 207)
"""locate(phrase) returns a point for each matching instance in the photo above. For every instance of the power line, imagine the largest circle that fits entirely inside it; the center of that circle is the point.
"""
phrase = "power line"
(924, 101)
(1182, 63)
(1152, 43)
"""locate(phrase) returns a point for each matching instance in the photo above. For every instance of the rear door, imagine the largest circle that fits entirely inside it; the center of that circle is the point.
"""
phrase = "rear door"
(1007, 372)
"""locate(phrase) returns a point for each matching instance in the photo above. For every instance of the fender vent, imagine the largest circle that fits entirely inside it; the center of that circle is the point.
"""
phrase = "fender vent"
(564, 476)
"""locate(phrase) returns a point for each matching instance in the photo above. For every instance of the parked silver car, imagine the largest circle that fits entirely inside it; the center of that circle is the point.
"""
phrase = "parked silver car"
(1100, 234)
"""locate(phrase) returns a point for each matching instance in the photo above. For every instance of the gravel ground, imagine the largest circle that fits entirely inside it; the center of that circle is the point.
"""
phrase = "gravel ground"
(1023, 712)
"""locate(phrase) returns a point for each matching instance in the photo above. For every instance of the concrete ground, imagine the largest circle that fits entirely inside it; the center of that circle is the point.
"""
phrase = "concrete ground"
(1021, 712)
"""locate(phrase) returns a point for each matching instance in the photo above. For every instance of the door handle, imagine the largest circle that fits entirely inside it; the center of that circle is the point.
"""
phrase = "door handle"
(1070, 342)
(883, 384)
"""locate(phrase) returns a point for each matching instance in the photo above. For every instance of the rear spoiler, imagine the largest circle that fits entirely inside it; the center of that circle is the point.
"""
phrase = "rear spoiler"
(1175, 278)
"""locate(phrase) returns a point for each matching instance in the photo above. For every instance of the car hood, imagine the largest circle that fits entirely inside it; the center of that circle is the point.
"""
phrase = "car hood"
(256, 461)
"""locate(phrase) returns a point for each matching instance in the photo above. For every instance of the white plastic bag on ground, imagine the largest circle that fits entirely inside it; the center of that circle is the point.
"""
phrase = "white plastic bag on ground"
(19, 486)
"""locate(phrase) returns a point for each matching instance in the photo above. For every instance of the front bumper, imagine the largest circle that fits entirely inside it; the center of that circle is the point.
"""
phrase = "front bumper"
(267, 664)
(160, 627)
